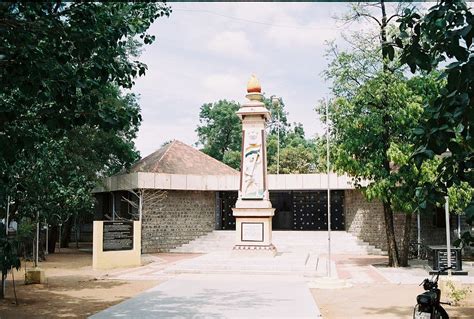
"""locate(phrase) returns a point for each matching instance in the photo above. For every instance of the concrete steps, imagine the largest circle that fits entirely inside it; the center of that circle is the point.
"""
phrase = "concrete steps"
(315, 242)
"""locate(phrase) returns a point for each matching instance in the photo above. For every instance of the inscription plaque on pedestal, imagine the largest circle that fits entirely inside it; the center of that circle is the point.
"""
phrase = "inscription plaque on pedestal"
(252, 232)
(117, 235)
(439, 257)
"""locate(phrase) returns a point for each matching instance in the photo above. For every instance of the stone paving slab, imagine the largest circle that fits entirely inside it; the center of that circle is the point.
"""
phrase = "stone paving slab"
(220, 296)
(295, 263)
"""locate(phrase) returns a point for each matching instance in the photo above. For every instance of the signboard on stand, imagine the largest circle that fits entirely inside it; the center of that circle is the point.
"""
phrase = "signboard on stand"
(116, 244)
(439, 258)
(117, 235)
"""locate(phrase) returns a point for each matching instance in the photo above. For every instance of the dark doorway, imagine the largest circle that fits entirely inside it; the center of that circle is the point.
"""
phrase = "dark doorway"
(294, 210)
(227, 202)
(283, 204)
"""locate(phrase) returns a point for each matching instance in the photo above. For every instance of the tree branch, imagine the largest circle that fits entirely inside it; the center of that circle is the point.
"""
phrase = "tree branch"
(369, 16)
(393, 16)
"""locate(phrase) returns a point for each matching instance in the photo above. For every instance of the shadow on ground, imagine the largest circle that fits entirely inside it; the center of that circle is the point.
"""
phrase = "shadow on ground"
(40, 301)
(157, 304)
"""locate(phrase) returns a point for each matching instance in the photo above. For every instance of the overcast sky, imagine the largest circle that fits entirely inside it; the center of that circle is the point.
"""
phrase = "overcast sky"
(207, 51)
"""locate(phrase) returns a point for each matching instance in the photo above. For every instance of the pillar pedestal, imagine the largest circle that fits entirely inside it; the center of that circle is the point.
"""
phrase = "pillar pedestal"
(254, 231)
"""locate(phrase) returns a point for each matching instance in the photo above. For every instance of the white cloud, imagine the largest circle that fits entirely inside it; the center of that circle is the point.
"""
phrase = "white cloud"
(207, 51)
(152, 135)
(220, 86)
(310, 36)
(233, 43)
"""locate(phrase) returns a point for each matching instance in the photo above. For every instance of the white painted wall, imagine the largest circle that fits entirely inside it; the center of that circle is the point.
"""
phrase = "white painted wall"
(220, 182)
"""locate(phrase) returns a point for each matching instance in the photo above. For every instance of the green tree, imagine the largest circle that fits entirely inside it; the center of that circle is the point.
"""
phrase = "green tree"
(232, 158)
(220, 129)
(295, 160)
(278, 117)
(298, 155)
(374, 111)
(443, 38)
(63, 121)
(220, 135)
(372, 141)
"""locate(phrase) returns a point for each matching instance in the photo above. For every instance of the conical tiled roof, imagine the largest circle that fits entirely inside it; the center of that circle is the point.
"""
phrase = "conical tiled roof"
(179, 158)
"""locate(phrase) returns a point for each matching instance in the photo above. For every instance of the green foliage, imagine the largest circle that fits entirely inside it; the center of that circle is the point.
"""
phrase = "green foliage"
(220, 134)
(220, 128)
(351, 69)
(295, 160)
(278, 117)
(8, 254)
(25, 230)
(373, 117)
(298, 155)
(444, 37)
(372, 135)
(459, 197)
(455, 293)
(64, 122)
(232, 158)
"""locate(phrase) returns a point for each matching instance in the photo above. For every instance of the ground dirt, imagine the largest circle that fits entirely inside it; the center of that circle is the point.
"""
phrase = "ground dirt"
(72, 289)
(75, 290)
(379, 301)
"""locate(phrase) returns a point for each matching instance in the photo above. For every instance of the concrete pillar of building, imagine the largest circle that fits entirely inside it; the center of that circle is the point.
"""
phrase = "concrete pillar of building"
(253, 210)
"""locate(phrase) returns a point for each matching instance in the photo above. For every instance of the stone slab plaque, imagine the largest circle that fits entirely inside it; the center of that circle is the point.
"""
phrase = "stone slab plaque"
(252, 232)
(118, 236)
(438, 257)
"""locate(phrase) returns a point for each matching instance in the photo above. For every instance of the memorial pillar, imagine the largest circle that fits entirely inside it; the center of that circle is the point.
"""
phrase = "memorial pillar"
(253, 210)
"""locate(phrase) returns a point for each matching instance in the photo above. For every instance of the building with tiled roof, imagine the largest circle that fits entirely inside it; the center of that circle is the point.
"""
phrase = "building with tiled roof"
(179, 158)
(186, 194)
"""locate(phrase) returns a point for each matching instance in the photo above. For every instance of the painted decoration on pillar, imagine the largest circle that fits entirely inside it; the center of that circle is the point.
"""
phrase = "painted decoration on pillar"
(253, 186)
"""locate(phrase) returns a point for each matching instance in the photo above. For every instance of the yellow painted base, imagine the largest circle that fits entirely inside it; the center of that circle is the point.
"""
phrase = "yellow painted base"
(35, 276)
(115, 259)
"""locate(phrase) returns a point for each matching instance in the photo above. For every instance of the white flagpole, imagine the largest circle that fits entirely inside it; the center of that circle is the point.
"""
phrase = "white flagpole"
(329, 189)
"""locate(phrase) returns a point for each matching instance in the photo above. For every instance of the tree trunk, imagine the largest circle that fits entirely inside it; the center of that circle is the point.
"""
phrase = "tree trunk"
(53, 238)
(405, 241)
(14, 288)
(76, 232)
(2, 290)
(393, 258)
(66, 236)
(383, 36)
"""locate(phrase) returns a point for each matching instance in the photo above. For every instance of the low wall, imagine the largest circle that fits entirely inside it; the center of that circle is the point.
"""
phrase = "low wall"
(114, 259)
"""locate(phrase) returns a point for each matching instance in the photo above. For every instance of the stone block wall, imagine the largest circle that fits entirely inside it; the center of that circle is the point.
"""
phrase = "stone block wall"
(365, 220)
(434, 235)
(177, 219)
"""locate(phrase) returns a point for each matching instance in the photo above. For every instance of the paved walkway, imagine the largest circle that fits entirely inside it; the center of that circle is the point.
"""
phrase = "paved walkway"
(220, 285)
(221, 296)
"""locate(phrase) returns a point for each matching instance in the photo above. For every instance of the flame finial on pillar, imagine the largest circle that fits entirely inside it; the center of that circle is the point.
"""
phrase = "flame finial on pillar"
(253, 86)
(254, 89)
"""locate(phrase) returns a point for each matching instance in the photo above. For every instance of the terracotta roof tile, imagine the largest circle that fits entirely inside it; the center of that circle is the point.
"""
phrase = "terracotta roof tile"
(179, 158)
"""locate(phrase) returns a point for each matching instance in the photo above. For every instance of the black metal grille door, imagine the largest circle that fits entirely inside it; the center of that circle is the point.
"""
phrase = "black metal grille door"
(305, 207)
(310, 210)
(228, 200)
(337, 210)
(304, 210)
